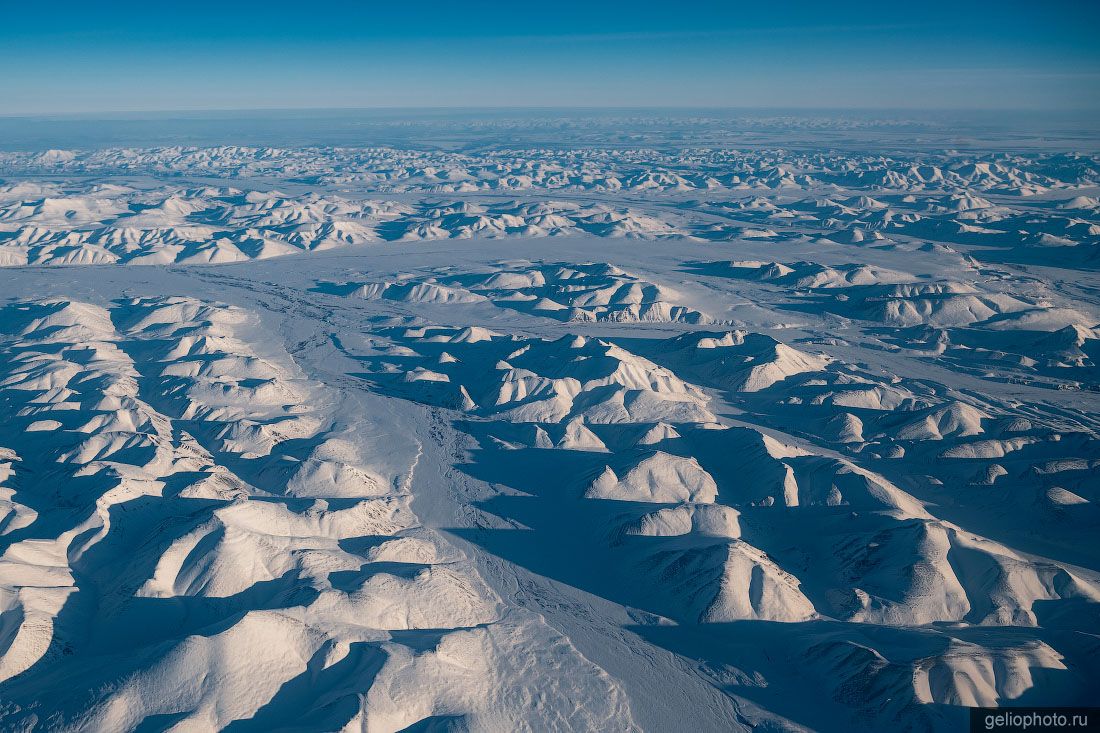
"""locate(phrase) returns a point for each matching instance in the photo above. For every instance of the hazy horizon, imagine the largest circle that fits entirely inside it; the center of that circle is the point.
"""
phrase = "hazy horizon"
(457, 128)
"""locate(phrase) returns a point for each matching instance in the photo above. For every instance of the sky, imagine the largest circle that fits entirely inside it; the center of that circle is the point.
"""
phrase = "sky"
(84, 57)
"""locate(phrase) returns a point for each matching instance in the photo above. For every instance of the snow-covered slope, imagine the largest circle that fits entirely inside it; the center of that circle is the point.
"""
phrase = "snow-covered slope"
(660, 425)
(563, 291)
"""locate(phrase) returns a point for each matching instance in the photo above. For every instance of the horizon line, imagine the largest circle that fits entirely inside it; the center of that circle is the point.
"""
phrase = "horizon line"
(538, 108)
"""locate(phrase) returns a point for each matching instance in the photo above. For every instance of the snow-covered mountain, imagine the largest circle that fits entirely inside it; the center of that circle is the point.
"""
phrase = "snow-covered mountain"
(677, 436)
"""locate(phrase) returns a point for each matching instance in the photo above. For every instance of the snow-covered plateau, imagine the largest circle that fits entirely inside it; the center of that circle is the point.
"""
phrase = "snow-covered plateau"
(610, 426)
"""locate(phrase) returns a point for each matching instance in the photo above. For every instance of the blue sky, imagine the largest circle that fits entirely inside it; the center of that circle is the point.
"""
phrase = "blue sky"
(64, 57)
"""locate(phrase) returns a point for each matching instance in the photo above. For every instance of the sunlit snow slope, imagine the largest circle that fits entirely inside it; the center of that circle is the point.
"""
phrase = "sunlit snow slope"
(688, 435)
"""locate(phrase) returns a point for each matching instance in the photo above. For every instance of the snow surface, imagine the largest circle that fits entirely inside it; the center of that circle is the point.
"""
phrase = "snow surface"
(629, 429)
